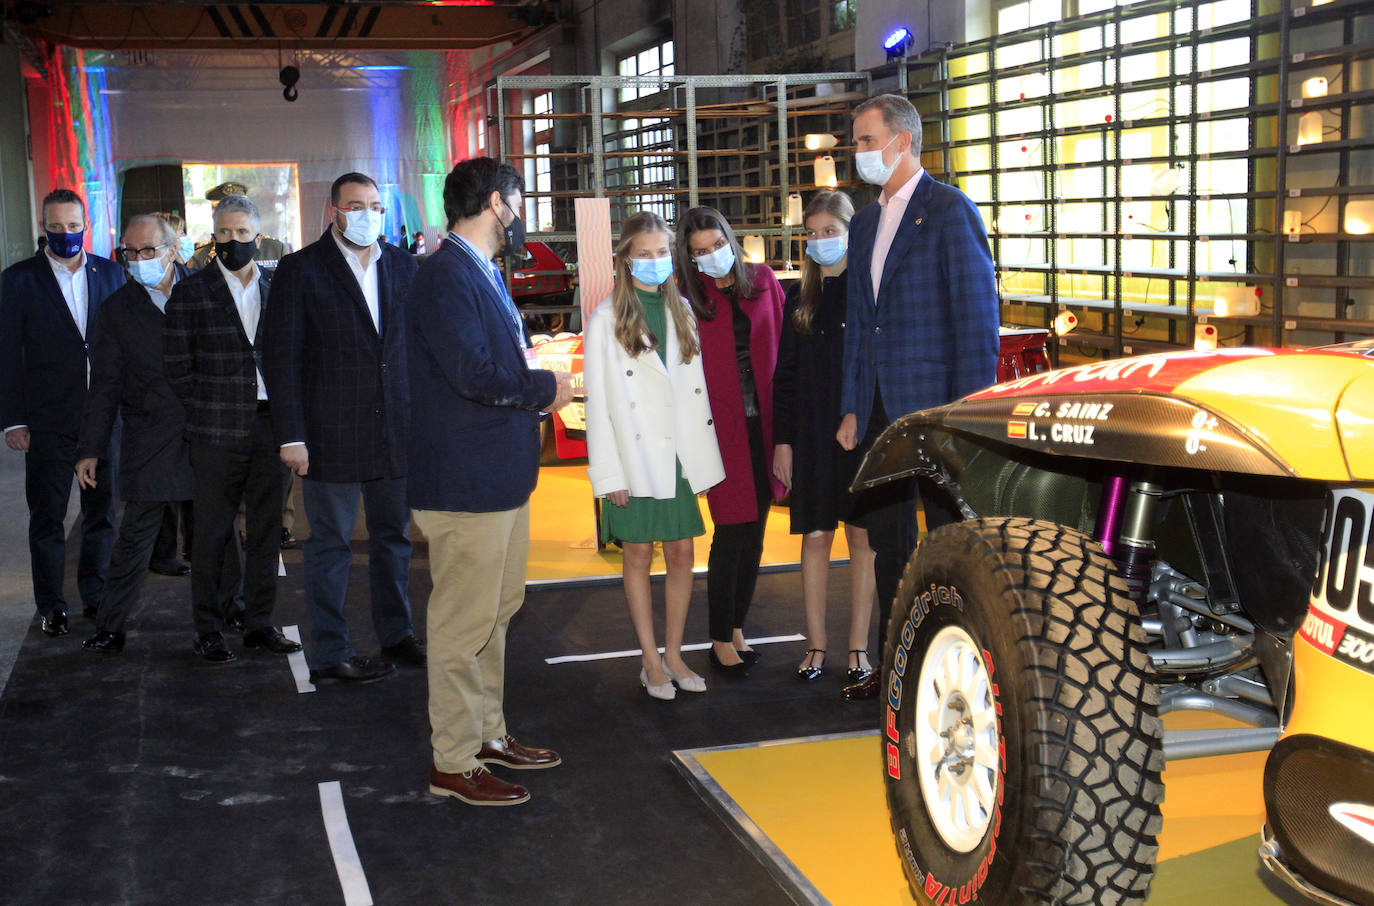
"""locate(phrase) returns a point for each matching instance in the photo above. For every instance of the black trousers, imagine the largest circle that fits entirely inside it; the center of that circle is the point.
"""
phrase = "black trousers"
(250, 474)
(888, 512)
(732, 567)
(165, 548)
(49, 469)
(138, 534)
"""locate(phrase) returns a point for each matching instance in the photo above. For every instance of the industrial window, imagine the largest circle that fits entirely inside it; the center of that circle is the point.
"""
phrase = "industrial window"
(651, 61)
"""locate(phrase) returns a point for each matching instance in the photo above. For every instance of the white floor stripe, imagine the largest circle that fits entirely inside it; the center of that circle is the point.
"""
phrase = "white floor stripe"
(635, 652)
(296, 661)
(346, 861)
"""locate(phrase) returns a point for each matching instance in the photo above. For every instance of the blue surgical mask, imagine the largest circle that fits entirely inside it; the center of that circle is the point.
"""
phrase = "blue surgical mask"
(150, 272)
(827, 250)
(66, 245)
(188, 248)
(872, 168)
(718, 263)
(651, 271)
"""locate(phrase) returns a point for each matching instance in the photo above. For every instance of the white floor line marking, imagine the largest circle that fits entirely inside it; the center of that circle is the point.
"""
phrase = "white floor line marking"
(346, 861)
(296, 660)
(281, 566)
(635, 652)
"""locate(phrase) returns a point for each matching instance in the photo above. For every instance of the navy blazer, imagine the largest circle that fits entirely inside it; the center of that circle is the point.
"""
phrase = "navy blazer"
(474, 402)
(336, 383)
(209, 361)
(931, 335)
(128, 380)
(43, 357)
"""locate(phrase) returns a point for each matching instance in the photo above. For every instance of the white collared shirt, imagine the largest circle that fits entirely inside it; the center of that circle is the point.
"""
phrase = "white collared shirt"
(889, 218)
(74, 290)
(248, 301)
(366, 276)
(156, 294)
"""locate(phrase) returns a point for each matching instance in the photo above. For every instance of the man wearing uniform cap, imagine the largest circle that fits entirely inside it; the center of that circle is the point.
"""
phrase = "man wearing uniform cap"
(269, 252)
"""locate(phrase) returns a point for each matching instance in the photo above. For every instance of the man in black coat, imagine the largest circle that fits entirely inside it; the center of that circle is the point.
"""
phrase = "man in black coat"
(334, 355)
(212, 364)
(48, 307)
(127, 378)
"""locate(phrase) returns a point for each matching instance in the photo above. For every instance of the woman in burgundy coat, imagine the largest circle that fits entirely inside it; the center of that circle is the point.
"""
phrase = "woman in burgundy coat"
(739, 312)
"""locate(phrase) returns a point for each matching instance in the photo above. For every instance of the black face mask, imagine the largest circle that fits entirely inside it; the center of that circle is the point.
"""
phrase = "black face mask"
(514, 232)
(235, 254)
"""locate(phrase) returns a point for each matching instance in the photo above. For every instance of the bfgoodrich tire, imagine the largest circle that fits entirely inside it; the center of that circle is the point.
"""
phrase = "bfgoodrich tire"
(1021, 743)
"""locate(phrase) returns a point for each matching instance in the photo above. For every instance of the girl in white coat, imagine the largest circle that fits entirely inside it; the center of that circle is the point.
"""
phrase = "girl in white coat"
(651, 447)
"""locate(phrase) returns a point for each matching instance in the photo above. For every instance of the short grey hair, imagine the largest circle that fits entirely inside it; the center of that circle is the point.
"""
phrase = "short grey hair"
(243, 203)
(899, 115)
(165, 229)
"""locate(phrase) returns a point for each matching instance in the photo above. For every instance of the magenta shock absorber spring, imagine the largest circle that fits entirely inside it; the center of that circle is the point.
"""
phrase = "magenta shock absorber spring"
(1109, 512)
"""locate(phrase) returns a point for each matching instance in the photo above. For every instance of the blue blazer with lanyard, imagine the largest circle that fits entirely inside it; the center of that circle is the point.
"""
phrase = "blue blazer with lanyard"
(475, 400)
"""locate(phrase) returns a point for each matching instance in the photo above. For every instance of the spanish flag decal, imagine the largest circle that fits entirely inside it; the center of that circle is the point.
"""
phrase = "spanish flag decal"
(1016, 429)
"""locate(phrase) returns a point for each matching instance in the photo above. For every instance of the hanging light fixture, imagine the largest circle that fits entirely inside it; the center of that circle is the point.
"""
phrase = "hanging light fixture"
(794, 210)
(1235, 302)
(825, 172)
(753, 249)
(821, 141)
(1292, 223)
(1064, 323)
(1359, 217)
(1205, 339)
(1314, 87)
(1310, 128)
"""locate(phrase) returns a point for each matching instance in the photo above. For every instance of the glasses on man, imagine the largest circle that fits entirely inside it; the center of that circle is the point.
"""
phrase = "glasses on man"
(359, 206)
(147, 253)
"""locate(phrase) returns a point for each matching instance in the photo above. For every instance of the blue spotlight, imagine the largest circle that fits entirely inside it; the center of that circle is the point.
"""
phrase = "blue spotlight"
(898, 43)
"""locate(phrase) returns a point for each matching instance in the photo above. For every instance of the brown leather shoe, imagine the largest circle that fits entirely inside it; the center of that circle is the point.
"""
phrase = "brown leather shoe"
(476, 787)
(861, 690)
(508, 753)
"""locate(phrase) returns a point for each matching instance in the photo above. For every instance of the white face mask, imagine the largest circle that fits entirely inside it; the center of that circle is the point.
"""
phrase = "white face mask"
(363, 226)
(718, 263)
(872, 168)
(150, 272)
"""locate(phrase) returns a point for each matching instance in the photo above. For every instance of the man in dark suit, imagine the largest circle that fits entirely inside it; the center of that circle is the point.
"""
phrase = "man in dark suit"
(920, 325)
(334, 355)
(127, 380)
(48, 308)
(212, 365)
(476, 393)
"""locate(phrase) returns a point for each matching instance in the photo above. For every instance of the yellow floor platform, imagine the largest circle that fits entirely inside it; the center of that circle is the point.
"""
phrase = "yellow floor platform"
(563, 533)
(814, 811)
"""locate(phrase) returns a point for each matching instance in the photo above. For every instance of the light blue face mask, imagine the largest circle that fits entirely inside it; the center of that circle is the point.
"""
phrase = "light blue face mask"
(651, 271)
(188, 248)
(149, 272)
(827, 250)
(718, 263)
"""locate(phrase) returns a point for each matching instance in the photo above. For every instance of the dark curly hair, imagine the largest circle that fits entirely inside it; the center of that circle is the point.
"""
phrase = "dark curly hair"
(471, 182)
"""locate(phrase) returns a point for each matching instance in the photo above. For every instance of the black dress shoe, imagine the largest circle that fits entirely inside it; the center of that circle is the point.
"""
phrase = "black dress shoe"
(409, 652)
(288, 540)
(860, 691)
(55, 623)
(736, 671)
(90, 611)
(211, 647)
(356, 670)
(270, 637)
(170, 568)
(750, 656)
(105, 642)
(235, 621)
(858, 673)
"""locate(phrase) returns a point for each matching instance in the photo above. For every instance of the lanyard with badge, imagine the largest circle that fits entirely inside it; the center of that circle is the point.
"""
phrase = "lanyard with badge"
(531, 359)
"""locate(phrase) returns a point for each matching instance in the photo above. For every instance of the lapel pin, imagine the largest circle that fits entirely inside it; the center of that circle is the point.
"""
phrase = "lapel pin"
(920, 220)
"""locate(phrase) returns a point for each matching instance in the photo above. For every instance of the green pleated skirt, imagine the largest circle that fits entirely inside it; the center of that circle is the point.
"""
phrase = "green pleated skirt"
(650, 519)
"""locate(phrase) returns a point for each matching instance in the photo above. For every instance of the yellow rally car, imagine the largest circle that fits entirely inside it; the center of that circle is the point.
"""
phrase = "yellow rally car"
(1190, 531)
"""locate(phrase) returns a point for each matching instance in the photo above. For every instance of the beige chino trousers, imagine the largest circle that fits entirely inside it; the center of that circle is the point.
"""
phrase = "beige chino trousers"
(477, 562)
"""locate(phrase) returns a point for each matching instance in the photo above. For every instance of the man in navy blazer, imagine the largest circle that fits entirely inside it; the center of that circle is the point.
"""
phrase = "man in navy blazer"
(920, 326)
(334, 356)
(48, 309)
(476, 396)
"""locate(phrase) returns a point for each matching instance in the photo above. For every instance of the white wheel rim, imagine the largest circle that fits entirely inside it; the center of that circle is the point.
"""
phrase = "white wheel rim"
(954, 747)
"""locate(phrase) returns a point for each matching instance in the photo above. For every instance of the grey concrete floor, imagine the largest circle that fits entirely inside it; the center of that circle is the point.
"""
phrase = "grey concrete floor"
(16, 589)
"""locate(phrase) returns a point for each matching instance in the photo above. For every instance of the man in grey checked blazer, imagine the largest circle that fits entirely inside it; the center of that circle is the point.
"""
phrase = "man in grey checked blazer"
(920, 326)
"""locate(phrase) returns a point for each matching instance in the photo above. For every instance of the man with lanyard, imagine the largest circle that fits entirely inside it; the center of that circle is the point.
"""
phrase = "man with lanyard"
(476, 396)
(48, 309)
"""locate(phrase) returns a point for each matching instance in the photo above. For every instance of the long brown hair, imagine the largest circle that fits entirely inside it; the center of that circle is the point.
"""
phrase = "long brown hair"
(839, 206)
(630, 326)
(694, 221)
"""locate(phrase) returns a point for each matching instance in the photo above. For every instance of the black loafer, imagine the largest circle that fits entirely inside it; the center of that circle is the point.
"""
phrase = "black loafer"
(105, 642)
(409, 652)
(211, 647)
(356, 670)
(55, 624)
(270, 637)
(736, 671)
(170, 568)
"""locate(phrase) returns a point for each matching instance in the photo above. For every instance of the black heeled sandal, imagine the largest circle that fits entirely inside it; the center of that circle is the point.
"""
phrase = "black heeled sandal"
(809, 672)
(858, 673)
